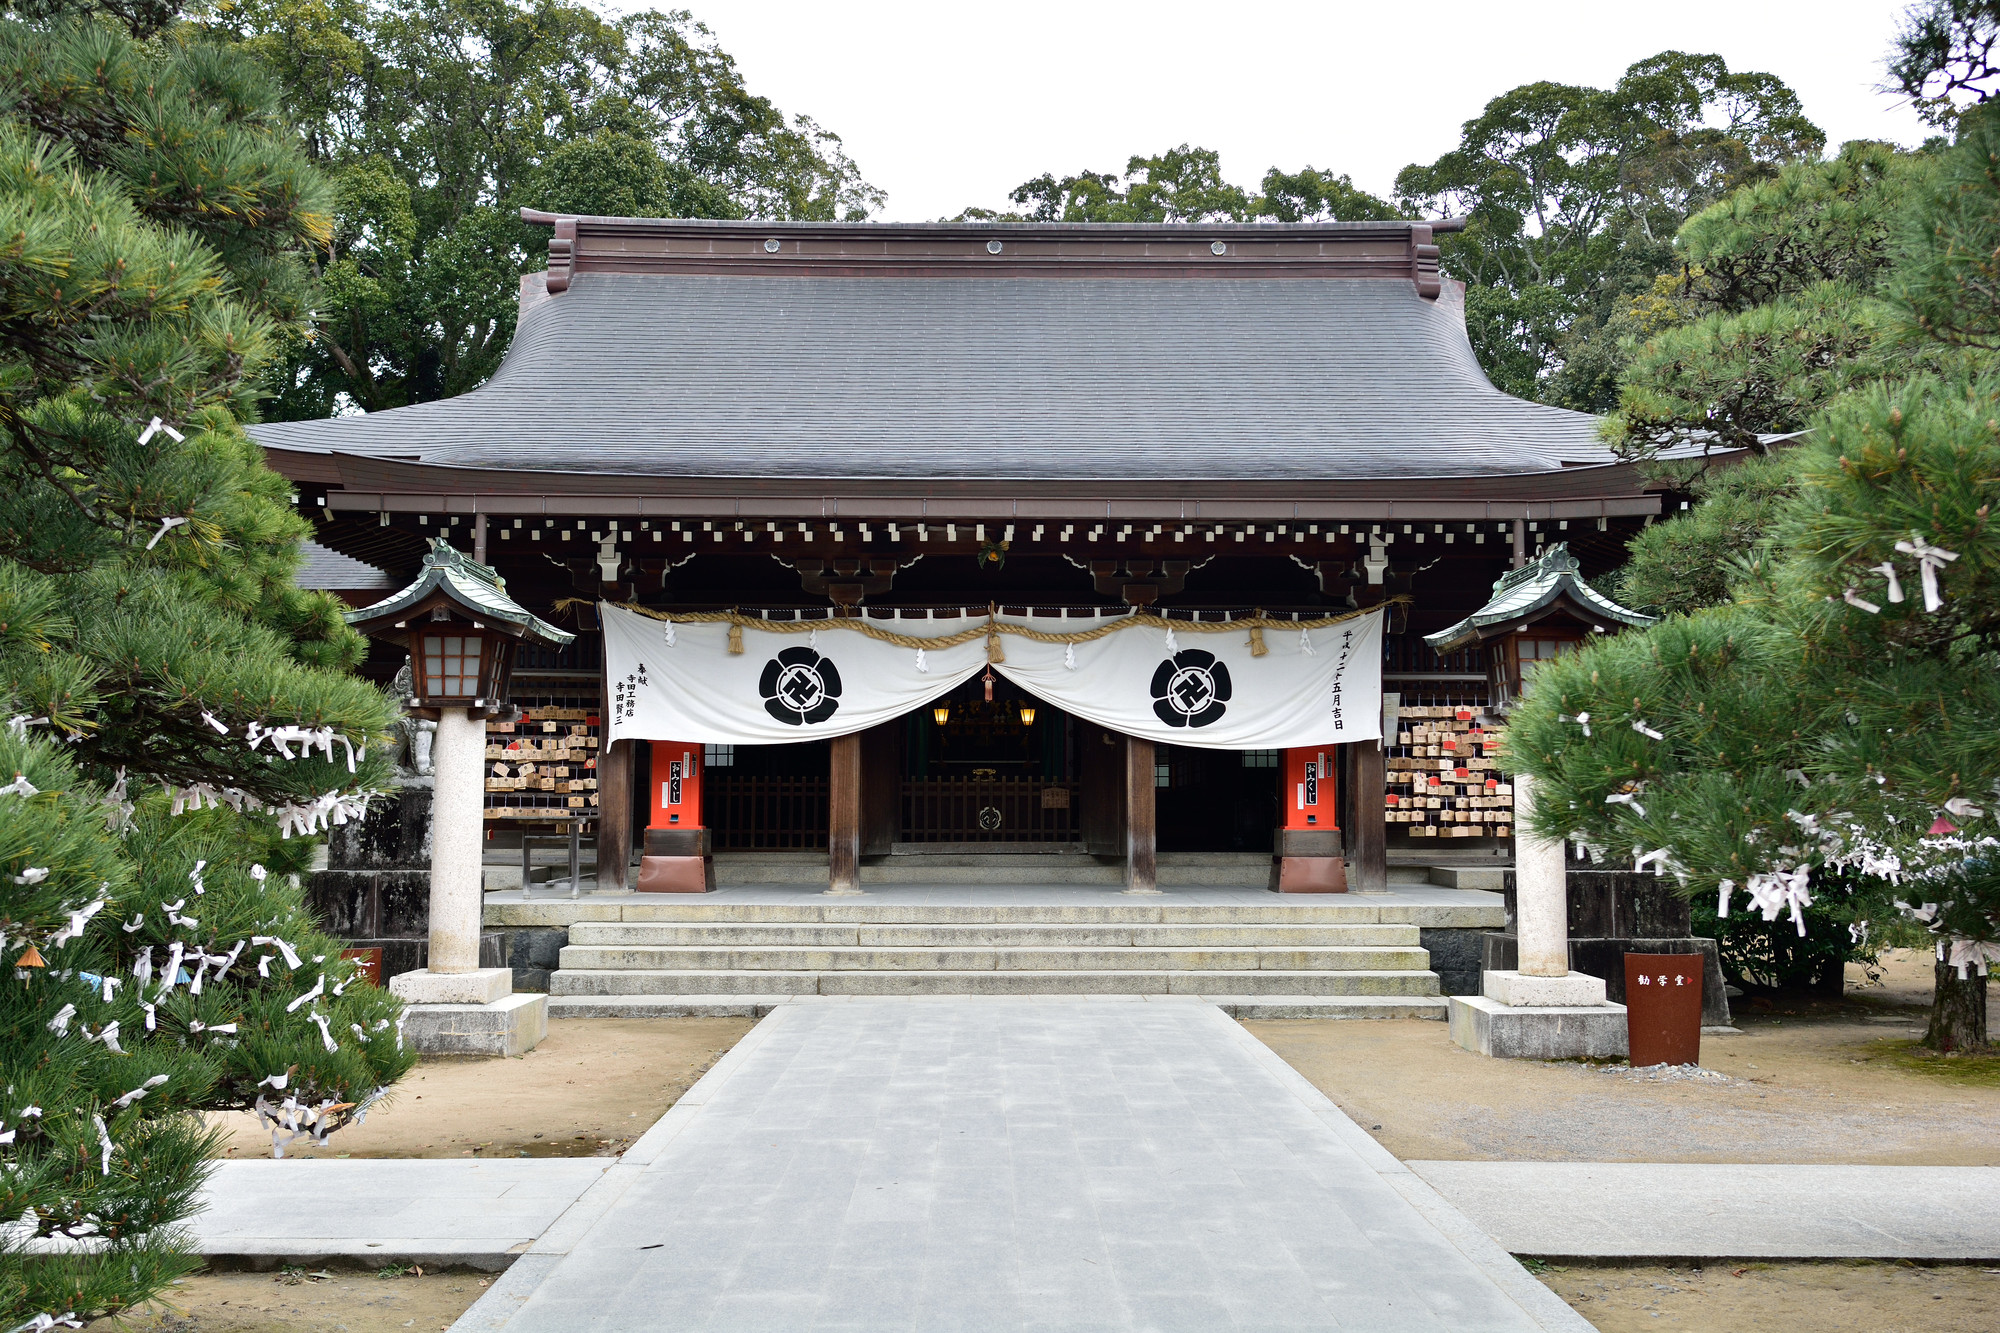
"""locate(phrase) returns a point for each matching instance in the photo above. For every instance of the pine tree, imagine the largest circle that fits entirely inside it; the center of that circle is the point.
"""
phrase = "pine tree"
(1831, 736)
(181, 720)
(1823, 736)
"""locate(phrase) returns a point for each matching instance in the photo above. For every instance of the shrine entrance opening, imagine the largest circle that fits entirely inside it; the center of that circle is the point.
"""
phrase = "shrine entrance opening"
(979, 772)
(966, 773)
(1216, 800)
(766, 797)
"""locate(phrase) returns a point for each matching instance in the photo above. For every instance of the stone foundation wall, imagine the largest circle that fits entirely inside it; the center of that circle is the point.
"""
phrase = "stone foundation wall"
(532, 951)
(1456, 956)
(375, 892)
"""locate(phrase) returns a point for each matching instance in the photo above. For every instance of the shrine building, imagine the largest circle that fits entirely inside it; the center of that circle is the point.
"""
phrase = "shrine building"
(1262, 443)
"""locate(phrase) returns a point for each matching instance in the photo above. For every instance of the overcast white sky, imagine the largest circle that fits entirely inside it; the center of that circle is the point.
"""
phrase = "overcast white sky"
(948, 105)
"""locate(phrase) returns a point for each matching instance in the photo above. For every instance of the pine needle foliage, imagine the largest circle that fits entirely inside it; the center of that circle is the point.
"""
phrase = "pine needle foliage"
(1814, 723)
(1776, 311)
(157, 960)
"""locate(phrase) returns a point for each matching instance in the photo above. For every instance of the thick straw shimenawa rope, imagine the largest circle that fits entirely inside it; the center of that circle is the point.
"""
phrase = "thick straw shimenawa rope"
(990, 628)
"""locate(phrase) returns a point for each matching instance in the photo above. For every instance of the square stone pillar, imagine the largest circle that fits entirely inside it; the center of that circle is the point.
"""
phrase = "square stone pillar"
(1542, 1011)
(455, 1006)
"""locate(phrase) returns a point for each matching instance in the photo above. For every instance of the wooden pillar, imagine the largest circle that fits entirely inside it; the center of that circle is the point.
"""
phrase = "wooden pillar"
(843, 816)
(1142, 871)
(1368, 865)
(1520, 542)
(479, 538)
(614, 816)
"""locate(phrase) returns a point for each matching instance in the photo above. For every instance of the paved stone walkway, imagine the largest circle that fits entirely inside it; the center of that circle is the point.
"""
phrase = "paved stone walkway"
(1033, 1163)
(479, 1213)
(1728, 1211)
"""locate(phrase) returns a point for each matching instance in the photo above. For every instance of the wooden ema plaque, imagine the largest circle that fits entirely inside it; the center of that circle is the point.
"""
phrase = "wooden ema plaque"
(1663, 1008)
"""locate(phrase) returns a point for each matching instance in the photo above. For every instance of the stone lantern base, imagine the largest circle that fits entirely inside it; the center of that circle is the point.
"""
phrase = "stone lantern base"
(469, 1013)
(1539, 1018)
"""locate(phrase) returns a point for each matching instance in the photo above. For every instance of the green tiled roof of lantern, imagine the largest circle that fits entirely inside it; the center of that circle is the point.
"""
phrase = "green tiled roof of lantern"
(474, 589)
(1520, 595)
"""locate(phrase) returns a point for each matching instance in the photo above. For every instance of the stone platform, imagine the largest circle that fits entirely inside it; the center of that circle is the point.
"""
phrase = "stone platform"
(748, 949)
(376, 1213)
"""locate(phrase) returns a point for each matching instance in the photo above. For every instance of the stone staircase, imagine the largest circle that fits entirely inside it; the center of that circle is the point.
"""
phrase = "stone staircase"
(1342, 959)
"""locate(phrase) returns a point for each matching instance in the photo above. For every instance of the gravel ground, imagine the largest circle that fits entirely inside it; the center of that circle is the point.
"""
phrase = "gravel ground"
(1783, 1298)
(1840, 1082)
(296, 1302)
(589, 1089)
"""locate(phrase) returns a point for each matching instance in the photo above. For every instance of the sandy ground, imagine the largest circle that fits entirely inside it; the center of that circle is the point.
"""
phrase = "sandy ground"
(1755, 1298)
(590, 1088)
(1838, 1082)
(1784, 1298)
(338, 1302)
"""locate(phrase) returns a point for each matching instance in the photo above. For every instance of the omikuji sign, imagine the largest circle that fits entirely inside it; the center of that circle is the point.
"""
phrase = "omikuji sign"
(1181, 683)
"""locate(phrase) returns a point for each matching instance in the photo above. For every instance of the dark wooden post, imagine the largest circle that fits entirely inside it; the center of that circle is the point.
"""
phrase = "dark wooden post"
(1368, 868)
(843, 816)
(1142, 871)
(614, 816)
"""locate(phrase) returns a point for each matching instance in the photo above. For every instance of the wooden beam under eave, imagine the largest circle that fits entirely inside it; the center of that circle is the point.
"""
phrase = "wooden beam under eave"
(1441, 507)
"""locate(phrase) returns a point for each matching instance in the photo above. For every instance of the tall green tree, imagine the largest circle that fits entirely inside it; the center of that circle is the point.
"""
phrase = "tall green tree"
(1185, 184)
(1824, 738)
(180, 715)
(1947, 57)
(1572, 196)
(439, 120)
(1774, 312)
(1774, 309)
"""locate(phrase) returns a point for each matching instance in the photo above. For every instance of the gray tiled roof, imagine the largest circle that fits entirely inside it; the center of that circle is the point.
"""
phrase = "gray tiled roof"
(937, 377)
(1524, 591)
(320, 567)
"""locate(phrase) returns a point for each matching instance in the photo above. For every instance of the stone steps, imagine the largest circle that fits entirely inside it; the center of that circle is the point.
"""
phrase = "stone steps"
(1260, 955)
(989, 935)
(700, 909)
(810, 958)
(1122, 981)
(1237, 1006)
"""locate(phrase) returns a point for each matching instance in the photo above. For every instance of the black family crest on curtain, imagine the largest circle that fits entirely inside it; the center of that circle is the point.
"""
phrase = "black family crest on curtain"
(800, 687)
(1190, 689)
